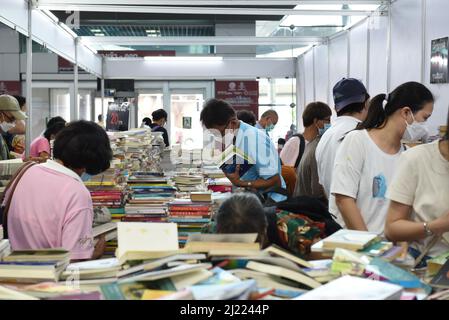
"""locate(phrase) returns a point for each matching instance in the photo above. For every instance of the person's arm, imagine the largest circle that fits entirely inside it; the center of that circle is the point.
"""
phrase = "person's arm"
(399, 227)
(19, 128)
(346, 178)
(77, 234)
(274, 181)
(165, 136)
(350, 212)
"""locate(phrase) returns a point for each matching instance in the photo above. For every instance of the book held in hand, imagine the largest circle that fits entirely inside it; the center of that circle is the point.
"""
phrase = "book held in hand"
(233, 157)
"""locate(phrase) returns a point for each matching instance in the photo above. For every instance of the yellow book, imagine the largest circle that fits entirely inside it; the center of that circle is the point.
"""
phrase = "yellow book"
(155, 294)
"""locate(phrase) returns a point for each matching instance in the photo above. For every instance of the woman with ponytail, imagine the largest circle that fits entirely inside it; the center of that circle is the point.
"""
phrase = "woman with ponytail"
(368, 157)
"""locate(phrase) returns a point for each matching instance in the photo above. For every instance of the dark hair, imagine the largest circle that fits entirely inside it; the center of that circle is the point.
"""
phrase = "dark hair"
(242, 213)
(353, 107)
(53, 120)
(410, 94)
(83, 144)
(247, 116)
(216, 113)
(100, 117)
(281, 141)
(147, 121)
(54, 129)
(21, 100)
(159, 114)
(315, 110)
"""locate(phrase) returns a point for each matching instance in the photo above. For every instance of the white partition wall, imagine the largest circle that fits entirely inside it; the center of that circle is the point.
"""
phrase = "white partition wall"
(358, 52)
(378, 31)
(321, 74)
(406, 38)
(338, 62)
(368, 54)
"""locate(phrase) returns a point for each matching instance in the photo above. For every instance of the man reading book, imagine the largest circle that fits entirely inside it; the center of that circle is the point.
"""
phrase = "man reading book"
(253, 150)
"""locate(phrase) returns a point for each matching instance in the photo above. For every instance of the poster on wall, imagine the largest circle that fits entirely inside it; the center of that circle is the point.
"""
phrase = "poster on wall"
(10, 87)
(187, 122)
(439, 61)
(241, 95)
(117, 118)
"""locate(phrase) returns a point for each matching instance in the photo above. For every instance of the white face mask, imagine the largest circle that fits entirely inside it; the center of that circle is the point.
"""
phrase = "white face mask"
(416, 131)
(6, 126)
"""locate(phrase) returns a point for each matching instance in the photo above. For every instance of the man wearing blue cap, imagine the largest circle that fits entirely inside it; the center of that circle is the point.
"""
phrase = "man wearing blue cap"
(351, 104)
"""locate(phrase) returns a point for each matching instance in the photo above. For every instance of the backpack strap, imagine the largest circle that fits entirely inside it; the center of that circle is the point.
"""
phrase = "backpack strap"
(11, 187)
(302, 147)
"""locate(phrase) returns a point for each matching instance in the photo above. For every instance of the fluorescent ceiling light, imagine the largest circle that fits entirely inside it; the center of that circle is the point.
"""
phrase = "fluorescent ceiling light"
(95, 30)
(192, 58)
(151, 31)
(99, 34)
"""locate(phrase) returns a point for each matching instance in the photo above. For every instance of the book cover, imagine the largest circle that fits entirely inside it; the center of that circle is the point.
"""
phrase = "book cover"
(441, 280)
(232, 157)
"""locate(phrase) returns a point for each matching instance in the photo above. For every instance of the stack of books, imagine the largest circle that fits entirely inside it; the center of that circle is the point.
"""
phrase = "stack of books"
(363, 242)
(7, 170)
(149, 195)
(34, 265)
(222, 185)
(190, 217)
(5, 248)
(188, 183)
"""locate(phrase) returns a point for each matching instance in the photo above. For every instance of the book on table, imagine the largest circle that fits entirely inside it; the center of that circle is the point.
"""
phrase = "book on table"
(34, 265)
(233, 157)
(142, 241)
(441, 280)
(354, 288)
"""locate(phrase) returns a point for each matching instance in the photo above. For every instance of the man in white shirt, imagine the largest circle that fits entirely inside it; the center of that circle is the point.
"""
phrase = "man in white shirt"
(351, 104)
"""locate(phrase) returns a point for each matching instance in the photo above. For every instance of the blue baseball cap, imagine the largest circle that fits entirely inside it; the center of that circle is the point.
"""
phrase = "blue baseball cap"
(348, 91)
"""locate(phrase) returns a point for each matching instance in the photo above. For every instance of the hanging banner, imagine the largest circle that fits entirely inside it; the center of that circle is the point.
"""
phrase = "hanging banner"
(439, 61)
(10, 87)
(117, 118)
(241, 95)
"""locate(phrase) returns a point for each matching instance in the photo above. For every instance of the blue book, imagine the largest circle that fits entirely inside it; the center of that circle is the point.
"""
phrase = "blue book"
(233, 157)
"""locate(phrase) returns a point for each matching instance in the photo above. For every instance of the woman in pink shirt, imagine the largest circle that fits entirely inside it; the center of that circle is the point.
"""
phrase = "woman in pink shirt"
(40, 147)
(51, 207)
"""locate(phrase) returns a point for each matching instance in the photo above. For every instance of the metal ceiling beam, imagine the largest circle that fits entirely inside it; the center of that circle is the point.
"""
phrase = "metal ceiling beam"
(212, 41)
(202, 10)
(227, 3)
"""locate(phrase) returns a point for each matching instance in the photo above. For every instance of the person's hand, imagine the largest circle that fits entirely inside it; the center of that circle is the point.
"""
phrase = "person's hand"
(36, 159)
(235, 176)
(99, 247)
(440, 225)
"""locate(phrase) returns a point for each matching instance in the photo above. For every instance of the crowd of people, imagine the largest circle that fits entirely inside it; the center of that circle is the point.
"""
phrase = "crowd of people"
(356, 168)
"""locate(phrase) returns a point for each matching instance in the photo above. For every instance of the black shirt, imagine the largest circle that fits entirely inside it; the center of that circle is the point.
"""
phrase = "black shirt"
(157, 128)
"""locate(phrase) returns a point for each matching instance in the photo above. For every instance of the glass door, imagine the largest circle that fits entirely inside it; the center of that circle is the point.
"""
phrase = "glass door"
(147, 102)
(185, 126)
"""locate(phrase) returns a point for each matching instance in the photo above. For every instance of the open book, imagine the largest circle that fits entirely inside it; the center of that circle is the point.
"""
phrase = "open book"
(232, 157)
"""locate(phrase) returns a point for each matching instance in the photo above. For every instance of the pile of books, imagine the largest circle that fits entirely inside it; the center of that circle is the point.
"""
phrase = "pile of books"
(363, 242)
(5, 247)
(188, 182)
(190, 216)
(149, 195)
(7, 170)
(34, 265)
(222, 185)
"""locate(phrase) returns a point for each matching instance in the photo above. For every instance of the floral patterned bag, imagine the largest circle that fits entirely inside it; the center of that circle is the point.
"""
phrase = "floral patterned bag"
(297, 233)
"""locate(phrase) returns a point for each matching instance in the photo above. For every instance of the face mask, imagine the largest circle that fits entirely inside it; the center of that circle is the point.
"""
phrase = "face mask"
(6, 126)
(85, 176)
(416, 131)
(270, 127)
(321, 131)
